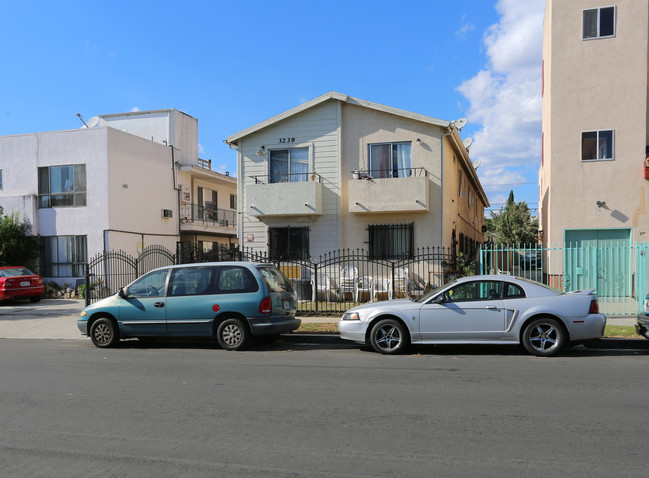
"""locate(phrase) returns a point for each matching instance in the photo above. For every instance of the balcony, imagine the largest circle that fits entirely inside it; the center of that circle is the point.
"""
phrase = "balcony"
(288, 195)
(403, 190)
(195, 218)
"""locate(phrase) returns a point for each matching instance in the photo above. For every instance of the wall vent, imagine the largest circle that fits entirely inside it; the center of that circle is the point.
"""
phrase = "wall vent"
(167, 213)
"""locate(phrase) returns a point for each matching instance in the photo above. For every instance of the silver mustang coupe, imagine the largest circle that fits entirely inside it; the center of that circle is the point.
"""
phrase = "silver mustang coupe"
(494, 309)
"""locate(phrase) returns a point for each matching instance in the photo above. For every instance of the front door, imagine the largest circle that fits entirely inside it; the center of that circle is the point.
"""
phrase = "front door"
(143, 311)
(469, 311)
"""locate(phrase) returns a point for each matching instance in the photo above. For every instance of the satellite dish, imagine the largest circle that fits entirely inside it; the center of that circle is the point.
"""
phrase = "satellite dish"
(459, 123)
(467, 143)
(92, 122)
(476, 164)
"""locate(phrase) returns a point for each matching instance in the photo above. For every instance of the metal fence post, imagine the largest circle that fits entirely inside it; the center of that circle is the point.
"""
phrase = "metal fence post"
(87, 287)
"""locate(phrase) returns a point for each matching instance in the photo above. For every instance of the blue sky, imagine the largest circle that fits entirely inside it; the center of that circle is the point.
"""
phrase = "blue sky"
(234, 64)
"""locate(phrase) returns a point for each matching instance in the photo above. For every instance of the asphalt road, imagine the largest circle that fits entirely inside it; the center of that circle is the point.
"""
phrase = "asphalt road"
(315, 407)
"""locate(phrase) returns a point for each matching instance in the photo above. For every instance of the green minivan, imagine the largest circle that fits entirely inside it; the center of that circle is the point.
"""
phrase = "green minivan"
(231, 301)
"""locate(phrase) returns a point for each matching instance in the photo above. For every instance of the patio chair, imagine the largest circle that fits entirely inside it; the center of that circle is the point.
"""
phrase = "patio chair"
(323, 286)
(365, 284)
(382, 285)
(401, 281)
(349, 282)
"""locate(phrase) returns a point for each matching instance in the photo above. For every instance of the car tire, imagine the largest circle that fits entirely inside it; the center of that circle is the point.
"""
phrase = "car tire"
(104, 333)
(232, 334)
(389, 337)
(544, 337)
(36, 298)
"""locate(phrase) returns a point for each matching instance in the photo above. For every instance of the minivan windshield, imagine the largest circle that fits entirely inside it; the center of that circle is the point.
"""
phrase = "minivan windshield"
(274, 279)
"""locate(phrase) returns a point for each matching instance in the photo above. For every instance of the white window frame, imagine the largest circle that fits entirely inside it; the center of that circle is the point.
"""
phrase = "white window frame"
(599, 9)
(401, 173)
(310, 161)
(598, 131)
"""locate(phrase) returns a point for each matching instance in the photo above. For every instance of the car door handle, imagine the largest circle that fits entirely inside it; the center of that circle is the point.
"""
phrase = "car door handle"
(159, 304)
(491, 307)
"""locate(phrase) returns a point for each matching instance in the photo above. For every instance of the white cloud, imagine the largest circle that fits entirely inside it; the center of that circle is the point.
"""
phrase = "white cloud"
(465, 28)
(201, 149)
(134, 109)
(505, 97)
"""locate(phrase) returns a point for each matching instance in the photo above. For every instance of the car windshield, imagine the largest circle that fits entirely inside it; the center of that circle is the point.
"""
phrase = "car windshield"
(15, 272)
(274, 279)
(433, 292)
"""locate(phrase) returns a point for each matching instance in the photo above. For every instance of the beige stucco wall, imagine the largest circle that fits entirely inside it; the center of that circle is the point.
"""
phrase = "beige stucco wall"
(458, 215)
(362, 127)
(595, 84)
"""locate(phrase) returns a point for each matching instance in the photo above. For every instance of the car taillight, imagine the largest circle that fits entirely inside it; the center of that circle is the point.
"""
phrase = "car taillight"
(266, 306)
(2, 283)
(594, 309)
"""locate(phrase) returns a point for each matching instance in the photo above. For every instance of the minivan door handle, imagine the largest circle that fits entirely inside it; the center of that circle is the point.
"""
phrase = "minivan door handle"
(159, 304)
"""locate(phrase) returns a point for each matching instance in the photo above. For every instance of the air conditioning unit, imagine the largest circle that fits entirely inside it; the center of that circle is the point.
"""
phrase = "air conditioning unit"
(167, 213)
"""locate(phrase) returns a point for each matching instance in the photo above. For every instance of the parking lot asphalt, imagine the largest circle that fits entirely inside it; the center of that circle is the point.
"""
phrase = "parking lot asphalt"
(57, 319)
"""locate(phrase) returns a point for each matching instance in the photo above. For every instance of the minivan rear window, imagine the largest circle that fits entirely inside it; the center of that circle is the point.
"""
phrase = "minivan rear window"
(274, 279)
(233, 279)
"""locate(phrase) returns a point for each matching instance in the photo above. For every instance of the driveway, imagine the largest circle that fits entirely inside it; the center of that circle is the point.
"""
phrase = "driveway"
(47, 319)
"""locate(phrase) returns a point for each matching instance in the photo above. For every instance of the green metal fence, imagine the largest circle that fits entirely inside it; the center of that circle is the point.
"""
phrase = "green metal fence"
(619, 273)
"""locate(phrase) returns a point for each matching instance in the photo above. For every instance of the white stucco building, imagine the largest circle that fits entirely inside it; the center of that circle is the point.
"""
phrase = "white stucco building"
(342, 173)
(119, 184)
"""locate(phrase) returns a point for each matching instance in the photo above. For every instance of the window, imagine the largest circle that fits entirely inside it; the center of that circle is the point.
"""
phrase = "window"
(62, 186)
(191, 281)
(64, 256)
(599, 23)
(0, 179)
(289, 243)
(475, 290)
(390, 160)
(150, 285)
(235, 279)
(207, 204)
(289, 165)
(512, 291)
(391, 241)
(459, 171)
(597, 145)
(233, 201)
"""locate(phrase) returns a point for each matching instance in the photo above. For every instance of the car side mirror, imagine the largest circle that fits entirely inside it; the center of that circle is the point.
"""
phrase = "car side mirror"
(121, 293)
(439, 299)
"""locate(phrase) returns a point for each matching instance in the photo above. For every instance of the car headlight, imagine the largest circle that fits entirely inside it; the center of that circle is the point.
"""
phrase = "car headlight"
(83, 313)
(351, 316)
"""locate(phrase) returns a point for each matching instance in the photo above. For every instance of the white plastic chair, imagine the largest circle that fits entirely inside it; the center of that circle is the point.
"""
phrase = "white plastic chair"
(349, 281)
(365, 284)
(324, 286)
(401, 281)
(382, 285)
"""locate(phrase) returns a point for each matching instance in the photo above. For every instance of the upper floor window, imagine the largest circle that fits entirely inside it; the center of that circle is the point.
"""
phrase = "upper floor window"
(289, 165)
(597, 145)
(233, 201)
(60, 186)
(0, 179)
(599, 22)
(390, 160)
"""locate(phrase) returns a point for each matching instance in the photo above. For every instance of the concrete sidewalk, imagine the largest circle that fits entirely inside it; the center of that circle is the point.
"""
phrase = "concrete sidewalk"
(57, 319)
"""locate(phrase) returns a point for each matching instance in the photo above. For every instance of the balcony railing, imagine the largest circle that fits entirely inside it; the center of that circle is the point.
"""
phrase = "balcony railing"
(389, 173)
(205, 163)
(194, 213)
(287, 178)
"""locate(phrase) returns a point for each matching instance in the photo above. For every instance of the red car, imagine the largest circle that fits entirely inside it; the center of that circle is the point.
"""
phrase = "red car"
(18, 282)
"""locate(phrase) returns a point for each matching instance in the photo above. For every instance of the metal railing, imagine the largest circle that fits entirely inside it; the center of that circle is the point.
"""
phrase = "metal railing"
(194, 213)
(287, 178)
(389, 173)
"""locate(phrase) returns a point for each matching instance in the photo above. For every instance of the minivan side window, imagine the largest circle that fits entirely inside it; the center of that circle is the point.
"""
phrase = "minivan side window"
(275, 280)
(150, 285)
(192, 281)
(235, 279)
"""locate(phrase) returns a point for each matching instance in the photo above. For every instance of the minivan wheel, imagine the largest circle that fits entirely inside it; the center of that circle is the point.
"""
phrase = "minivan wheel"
(104, 333)
(544, 337)
(389, 337)
(232, 334)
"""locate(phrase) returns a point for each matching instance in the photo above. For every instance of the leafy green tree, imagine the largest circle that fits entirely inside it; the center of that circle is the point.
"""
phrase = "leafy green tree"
(513, 224)
(17, 246)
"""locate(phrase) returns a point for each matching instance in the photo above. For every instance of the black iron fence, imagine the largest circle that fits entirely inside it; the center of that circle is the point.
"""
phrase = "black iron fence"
(327, 286)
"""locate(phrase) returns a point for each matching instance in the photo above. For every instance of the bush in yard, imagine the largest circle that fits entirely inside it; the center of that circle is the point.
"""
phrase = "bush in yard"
(17, 245)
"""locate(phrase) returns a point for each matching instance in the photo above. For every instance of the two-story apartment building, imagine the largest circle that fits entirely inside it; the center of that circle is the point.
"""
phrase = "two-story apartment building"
(342, 173)
(592, 184)
(122, 183)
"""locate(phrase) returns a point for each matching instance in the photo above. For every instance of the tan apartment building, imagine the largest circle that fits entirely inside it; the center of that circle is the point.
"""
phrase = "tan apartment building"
(340, 173)
(592, 186)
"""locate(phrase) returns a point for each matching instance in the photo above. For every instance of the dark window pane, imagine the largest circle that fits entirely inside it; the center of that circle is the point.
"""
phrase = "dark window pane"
(607, 21)
(289, 242)
(605, 145)
(589, 145)
(279, 166)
